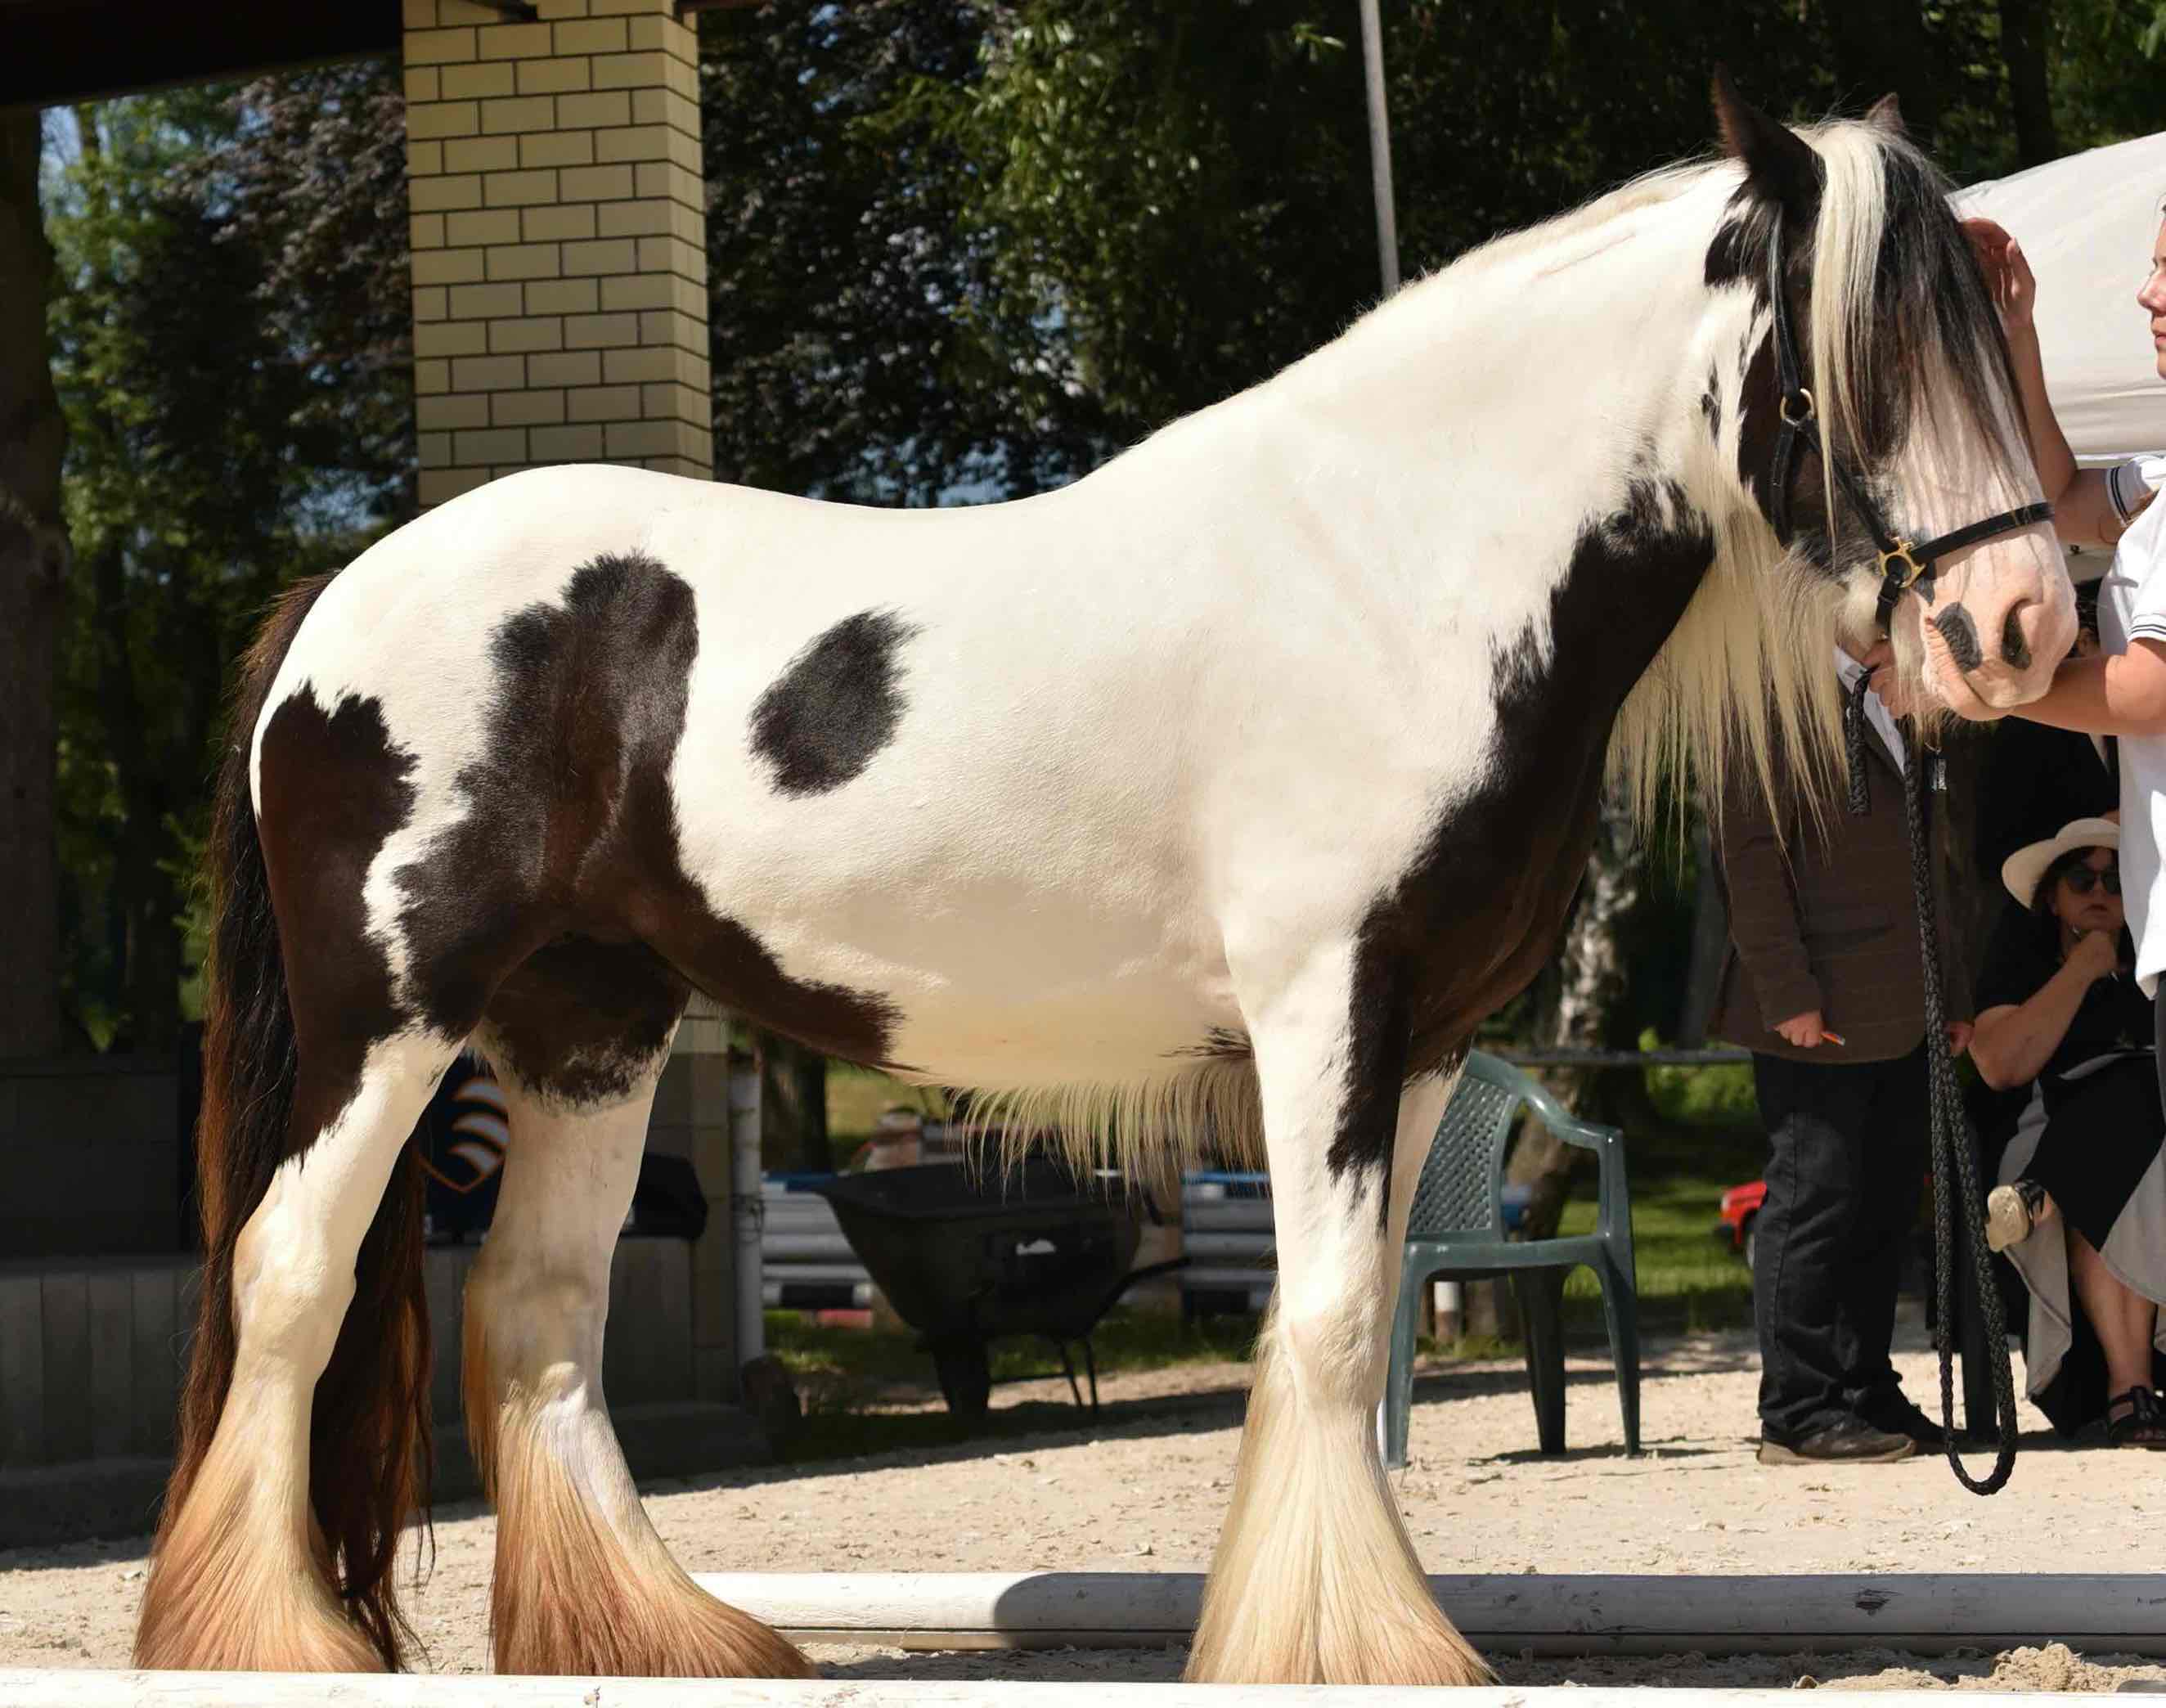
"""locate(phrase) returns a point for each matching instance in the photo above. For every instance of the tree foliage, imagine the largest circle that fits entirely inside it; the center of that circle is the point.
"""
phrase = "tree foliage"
(231, 425)
(958, 248)
(860, 348)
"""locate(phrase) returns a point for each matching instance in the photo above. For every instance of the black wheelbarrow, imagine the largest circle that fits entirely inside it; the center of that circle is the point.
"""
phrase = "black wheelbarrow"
(967, 1255)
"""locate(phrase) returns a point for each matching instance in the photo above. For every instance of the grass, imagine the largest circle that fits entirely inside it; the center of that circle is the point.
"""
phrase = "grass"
(1688, 1280)
(1696, 1135)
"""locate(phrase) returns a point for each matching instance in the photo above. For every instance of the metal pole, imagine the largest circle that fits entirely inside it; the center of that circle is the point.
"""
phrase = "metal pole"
(745, 1205)
(1380, 147)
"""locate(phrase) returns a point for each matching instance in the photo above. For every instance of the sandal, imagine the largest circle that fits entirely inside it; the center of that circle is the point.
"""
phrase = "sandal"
(2141, 1424)
(2011, 1211)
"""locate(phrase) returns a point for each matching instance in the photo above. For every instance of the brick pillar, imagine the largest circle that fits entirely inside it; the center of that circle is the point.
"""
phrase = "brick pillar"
(559, 235)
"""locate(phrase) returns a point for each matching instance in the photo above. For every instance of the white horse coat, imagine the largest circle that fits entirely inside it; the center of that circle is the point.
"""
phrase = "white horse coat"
(1229, 787)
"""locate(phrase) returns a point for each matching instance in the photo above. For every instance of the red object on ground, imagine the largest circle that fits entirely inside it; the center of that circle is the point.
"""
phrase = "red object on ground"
(1739, 1206)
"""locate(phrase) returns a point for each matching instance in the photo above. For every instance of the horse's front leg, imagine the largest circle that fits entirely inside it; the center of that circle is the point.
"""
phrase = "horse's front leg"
(1315, 1581)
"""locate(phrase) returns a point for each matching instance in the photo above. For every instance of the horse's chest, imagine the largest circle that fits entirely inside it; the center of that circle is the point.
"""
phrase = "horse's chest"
(1483, 902)
(1485, 893)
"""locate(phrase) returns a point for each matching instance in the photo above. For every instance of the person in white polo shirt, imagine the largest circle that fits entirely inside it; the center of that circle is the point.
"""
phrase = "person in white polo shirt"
(2121, 690)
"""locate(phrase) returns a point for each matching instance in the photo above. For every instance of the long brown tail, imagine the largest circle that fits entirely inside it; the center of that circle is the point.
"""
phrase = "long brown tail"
(369, 1452)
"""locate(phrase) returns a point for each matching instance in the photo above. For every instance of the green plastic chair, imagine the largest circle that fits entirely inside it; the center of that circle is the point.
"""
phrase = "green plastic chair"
(1457, 1232)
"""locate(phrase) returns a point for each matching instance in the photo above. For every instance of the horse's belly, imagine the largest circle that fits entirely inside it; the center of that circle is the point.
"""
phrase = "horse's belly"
(1004, 984)
(1125, 1033)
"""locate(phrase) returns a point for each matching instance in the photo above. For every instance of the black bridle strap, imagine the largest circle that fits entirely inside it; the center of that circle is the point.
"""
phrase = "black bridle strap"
(1902, 563)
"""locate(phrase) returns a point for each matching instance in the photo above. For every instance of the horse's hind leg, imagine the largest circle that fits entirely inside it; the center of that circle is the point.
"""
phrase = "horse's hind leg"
(583, 1585)
(1315, 1581)
(242, 1579)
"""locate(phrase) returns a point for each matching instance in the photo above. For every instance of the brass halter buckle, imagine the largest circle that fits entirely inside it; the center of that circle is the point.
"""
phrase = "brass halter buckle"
(1901, 554)
(1805, 414)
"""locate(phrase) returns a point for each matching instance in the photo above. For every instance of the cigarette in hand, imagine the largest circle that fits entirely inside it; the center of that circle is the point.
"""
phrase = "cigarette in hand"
(1834, 1038)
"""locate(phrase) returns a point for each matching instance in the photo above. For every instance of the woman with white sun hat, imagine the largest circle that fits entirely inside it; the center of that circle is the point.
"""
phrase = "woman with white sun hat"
(2081, 1208)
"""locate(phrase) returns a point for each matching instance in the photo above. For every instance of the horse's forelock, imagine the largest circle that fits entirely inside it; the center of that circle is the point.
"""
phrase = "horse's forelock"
(1898, 313)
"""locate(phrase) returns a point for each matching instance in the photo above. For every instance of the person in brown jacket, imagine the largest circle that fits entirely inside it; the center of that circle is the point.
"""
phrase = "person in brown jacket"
(1823, 984)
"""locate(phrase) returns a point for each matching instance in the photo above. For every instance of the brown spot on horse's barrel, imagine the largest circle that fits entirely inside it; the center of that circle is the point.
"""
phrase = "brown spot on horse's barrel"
(827, 716)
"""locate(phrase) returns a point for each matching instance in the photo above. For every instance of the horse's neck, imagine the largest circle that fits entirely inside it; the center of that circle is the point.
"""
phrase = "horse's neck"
(1486, 415)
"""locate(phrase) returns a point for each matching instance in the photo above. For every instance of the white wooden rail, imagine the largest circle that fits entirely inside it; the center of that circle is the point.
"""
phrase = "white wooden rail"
(1576, 1615)
(83, 1689)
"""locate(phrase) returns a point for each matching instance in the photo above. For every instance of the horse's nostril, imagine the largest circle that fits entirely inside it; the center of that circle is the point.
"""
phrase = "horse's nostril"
(2014, 647)
(1961, 634)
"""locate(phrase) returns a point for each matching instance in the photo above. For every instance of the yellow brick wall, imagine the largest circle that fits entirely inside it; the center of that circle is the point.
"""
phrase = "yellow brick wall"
(559, 236)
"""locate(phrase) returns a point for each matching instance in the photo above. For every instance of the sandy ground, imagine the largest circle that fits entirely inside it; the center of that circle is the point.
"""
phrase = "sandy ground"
(1144, 1490)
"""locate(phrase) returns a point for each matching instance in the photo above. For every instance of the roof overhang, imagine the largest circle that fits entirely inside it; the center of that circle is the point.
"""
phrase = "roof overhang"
(55, 51)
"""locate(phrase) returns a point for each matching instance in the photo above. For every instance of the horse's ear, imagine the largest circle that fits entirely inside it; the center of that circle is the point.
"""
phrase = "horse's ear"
(1780, 166)
(1886, 114)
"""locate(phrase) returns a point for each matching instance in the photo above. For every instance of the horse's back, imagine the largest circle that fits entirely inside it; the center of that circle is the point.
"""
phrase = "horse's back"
(858, 771)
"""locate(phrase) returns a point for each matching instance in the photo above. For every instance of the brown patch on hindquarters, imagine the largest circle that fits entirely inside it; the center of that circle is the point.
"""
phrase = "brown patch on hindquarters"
(574, 1594)
(571, 852)
(227, 1589)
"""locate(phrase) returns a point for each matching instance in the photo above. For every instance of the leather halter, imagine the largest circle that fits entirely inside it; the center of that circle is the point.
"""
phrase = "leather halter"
(1903, 563)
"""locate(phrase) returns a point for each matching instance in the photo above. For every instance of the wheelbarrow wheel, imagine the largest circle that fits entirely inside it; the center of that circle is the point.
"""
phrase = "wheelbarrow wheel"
(966, 1376)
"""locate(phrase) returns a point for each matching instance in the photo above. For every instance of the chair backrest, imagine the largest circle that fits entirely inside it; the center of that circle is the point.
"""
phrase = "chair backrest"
(1460, 1189)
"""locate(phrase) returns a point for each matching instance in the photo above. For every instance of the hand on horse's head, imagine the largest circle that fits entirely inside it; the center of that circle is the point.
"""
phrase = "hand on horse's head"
(2009, 280)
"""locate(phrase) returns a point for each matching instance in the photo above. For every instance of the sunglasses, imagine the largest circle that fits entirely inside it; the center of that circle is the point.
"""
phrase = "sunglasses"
(2080, 879)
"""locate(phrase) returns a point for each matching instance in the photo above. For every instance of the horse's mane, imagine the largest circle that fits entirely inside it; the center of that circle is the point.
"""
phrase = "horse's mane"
(1899, 325)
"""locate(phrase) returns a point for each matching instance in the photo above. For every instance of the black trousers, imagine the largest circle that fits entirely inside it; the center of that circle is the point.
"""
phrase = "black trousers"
(1848, 1148)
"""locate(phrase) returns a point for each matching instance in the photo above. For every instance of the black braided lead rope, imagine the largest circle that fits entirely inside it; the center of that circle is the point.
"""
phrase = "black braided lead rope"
(1955, 1155)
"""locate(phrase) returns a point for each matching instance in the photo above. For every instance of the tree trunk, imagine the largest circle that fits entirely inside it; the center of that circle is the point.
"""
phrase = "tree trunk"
(150, 971)
(1591, 980)
(33, 563)
(1710, 943)
(794, 1105)
(2024, 26)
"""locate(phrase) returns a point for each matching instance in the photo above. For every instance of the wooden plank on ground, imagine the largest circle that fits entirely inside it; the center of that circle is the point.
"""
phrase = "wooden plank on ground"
(443, 1279)
(154, 1290)
(112, 1363)
(22, 1370)
(65, 1301)
(82, 1687)
(1548, 1614)
(670, 1301)
(621, 1340)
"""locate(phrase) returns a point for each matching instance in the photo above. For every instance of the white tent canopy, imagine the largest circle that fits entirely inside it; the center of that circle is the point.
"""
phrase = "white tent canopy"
(2087, 224)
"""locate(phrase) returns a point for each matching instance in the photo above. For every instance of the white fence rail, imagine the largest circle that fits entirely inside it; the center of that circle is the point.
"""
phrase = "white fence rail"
(1574, 1615)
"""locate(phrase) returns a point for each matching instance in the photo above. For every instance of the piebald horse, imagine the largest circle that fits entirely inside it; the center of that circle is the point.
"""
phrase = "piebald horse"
(1226, 789)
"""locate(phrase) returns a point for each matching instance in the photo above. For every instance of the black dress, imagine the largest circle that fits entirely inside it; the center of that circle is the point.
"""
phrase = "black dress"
(2090, 1132)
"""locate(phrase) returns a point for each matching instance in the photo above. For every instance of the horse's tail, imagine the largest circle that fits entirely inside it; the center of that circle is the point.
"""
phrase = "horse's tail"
(369, 1444)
